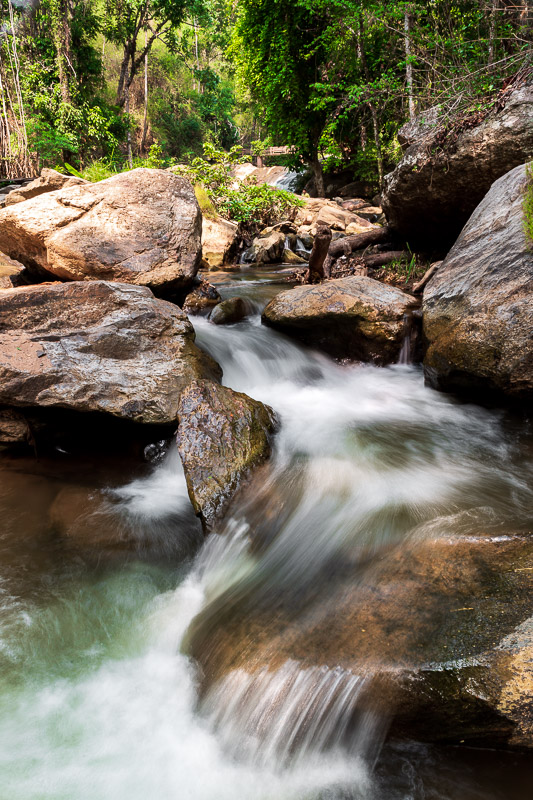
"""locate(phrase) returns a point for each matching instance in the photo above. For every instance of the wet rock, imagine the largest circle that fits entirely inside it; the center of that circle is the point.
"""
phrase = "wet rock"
(441, 630)
(229, 311)
(49, 181)
(290, 257)
(267, 248)
(14, 428)
(436, 186)
(478, 307)
(355, 317)
(141, 227)
(219, 241)
(222, 435)
(97, 347)
(202, 298)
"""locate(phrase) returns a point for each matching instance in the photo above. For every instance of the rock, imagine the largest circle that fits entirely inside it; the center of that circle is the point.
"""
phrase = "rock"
(441, 629)
(290, 257)
(49, 181)
(14, 428)
(360, 226)
(354, 204)
(97, 347)
(140, 227)
(330, 213)
(222, 435)
(12, 273)
(267, 248)
(478, 307)
(435, 187)
(355, 317)
(370, 213)
(202, 298)
(219, 241)
(229, 311)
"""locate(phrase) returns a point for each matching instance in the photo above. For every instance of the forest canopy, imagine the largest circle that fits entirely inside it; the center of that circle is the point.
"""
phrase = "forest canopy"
(103, 85)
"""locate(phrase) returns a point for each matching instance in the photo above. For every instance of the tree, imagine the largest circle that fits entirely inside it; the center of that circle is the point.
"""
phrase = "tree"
(124, 21)
(278, 49)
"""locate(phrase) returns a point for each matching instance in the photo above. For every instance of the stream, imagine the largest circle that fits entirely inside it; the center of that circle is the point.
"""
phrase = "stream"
(105, 580)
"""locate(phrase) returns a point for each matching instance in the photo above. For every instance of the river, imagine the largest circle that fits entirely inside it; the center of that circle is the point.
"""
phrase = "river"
(105, 578)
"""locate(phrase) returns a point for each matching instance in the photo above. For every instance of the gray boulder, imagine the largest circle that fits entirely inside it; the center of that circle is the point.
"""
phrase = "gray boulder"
(222, 436)
(478, 307)
(97, 347)
(439, 182)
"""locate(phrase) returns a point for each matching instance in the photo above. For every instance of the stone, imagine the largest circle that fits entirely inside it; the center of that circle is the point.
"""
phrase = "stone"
(201, 299)
(222, 436)
(14, 428)
(12, 273)
(442, 630)
(49, 181)
(354, 317)
(219, 241)
(436, 186)
(290, 257)
(267, 248)
(97, 347)
(141, 227)
(478, 306)
(229, 311)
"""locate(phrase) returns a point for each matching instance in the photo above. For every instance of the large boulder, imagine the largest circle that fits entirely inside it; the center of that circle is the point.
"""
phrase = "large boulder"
(478, 307)
(443, 175)
(219, 241)
(49, 181)
(222, 435)
(355, 317)
(142, 227)
(97, 347)
(435, 637)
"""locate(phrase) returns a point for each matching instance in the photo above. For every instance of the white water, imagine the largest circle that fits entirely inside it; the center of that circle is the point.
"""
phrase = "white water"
(96, 700)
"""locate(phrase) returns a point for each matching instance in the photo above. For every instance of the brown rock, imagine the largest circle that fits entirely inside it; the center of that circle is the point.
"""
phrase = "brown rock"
(267, 248)
(202, 298)
(49, 181)
(97, 346)
(12, 273)
(229, 311)
(141, 227)
(353, 317)
(219, 241)
(478, 307)
(222, 436)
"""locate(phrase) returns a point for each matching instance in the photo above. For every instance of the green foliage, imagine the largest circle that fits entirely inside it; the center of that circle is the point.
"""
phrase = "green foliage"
(527, 204)
(250, 203)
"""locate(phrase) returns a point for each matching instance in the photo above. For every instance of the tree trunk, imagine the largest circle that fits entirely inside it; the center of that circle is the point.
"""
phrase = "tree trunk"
(347, 245)
(492, 30)
(408, 64)
(123, 76)
(63, 42)
(128, 137)
(318, 175)
(145, 118)
(317, 259)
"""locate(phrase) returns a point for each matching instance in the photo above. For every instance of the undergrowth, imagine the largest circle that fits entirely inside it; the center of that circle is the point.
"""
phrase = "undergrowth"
(528, 203)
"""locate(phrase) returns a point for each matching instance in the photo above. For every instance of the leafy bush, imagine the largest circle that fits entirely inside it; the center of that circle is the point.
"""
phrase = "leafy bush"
(248, 202)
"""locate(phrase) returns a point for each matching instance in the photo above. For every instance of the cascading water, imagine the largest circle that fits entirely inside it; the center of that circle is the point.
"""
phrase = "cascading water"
(98, 696)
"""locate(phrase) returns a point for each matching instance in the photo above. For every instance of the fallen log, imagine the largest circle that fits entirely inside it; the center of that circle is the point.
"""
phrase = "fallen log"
(348, 244)
(381, 259)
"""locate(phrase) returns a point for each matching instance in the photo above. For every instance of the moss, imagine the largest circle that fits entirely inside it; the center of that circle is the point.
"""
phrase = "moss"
(206, 206)
(528, 203)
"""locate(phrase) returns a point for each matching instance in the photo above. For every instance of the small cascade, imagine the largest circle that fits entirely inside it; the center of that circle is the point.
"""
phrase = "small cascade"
(292, 713)
(405, 356)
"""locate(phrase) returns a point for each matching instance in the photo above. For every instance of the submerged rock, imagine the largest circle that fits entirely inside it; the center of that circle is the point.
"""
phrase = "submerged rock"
(478, 307)
(436, 186)
(222, 435)
(97, 347)
(142, 227)
(229, 311)
(49, 181)
(355, 317)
